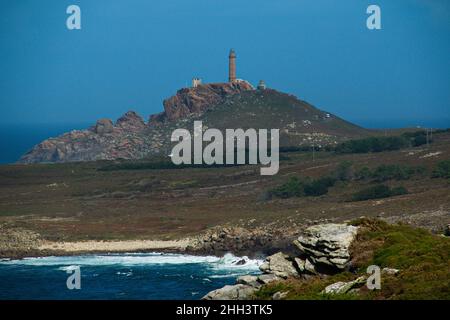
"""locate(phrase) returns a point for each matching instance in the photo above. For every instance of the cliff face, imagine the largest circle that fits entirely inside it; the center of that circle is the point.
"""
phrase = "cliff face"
(196, 100)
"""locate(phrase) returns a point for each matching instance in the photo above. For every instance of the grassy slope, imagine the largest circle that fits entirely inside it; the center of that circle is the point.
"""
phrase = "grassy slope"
(273, 109)
(423, 258)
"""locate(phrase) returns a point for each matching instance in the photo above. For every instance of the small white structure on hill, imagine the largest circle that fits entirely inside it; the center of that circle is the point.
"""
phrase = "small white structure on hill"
(261, 85)
(196, 82)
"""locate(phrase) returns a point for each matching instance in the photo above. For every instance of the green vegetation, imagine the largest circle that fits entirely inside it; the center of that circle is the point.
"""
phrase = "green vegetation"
(422, 258)
(296, 187)
(319, 187)
(344, 171)
(417, 138)
(373, 144)
(157, 165)
(378, 192)
(389, 172)
(442, 170)
(379, 144)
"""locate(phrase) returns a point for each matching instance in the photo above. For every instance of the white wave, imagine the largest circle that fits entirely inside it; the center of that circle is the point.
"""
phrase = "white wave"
(227, 275)
(139, 259)
(68, 268)
(231, 261)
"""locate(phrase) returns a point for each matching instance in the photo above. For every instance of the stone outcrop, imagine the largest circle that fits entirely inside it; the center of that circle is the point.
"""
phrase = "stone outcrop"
(354, 286)
(104, 126)
(390, 271)
(244, 241)
(131, 121)
(244, 288)
(279, 264)
(126, 139)
(189, 101)
(234, 292)
(324, 244)
(345, 287)
(327, 244)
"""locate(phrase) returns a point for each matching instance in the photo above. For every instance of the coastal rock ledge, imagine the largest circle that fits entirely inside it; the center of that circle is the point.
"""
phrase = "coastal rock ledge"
(323, 249)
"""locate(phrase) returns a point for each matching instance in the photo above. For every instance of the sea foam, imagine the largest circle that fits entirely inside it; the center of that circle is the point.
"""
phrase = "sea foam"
(228, 261)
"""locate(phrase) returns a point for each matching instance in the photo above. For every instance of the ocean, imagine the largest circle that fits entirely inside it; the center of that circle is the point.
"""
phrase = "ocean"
(121, 276)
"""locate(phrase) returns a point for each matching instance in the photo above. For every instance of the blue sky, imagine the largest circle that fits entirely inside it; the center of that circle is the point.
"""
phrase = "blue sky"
(133, 54)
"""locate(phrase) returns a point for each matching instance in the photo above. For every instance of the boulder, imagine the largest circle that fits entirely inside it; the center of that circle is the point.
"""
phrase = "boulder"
(344, 287)
(390, 271)
(268, 278)
(327, 244)
(280, 265)
(104, 126)
(248, 280)
(234, 292)
(279, 295)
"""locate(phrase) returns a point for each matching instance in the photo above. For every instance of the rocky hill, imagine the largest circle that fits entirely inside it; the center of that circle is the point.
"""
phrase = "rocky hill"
(218, 105)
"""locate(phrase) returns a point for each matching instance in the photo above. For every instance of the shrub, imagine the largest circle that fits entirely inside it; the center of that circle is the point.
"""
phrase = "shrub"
(398, 191)
(378, 192)
(373, 144)
(363, 174)
(292, 188)
(319, 187)
(442, 170)
(295, 187)
(344, 171)
(417, 138)
(389, 172)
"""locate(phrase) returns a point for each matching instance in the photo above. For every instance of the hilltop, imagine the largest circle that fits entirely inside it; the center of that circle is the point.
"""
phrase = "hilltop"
(218, 105)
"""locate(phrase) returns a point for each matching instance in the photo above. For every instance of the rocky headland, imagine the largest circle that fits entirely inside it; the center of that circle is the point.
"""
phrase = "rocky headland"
(130, 137)
(218, 105)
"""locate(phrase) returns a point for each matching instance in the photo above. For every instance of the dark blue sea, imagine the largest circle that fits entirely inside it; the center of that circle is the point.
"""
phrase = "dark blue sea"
(121, 276)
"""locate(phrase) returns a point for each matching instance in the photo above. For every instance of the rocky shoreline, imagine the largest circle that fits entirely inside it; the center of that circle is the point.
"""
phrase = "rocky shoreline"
(327, 255)
(258, 242)
(321, 250)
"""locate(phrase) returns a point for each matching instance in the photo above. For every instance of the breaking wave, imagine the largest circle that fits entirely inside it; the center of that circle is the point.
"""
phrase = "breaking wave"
(228, 261)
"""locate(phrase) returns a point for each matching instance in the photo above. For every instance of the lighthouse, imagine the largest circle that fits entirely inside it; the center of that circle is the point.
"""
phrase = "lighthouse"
(232, 66)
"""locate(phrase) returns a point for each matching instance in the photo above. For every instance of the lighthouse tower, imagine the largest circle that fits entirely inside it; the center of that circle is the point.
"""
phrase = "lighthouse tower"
(232, 66)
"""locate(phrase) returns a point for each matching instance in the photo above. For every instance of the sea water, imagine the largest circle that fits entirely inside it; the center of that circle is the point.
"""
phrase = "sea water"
(122, 276)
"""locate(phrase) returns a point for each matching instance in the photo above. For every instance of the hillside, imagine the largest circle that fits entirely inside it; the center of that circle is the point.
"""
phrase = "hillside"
(218, 105)
(122, 200)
